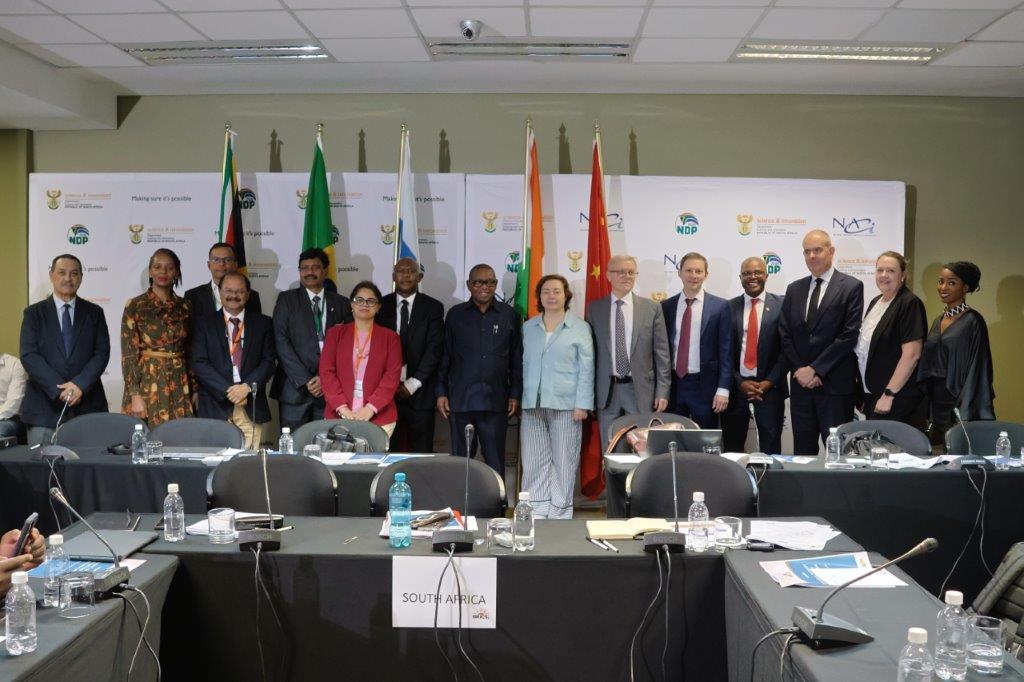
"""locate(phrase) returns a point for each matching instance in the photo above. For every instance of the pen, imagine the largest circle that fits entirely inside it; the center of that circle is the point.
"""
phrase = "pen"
(351, 539)
(610, 546)
(135, 525)
(597, 544)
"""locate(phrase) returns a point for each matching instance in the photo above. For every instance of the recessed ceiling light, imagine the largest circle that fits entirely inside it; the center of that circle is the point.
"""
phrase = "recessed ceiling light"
(504, 48)
(224, 52)
(841, 52)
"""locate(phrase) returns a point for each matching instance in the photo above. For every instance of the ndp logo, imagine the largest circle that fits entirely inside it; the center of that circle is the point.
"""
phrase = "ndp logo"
(687, 224)
(78, 234)
(773, 262)
(246, 198)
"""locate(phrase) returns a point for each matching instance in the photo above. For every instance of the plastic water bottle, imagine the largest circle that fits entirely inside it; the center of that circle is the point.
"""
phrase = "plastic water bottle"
(916, 663)
(1003, 451)
(951, 639)
(20, 606)
(286, 444)
(523, 538)
(400, 509)
(174, 515)
(832, 448)
(138, 445)
(697, 539)
(56, 564)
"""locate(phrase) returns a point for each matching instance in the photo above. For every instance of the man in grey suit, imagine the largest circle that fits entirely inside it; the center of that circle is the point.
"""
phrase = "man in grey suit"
(633, 364)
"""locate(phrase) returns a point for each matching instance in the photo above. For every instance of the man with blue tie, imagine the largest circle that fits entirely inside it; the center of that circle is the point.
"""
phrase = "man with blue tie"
(758, 365)
(65, 347)
(700, 338)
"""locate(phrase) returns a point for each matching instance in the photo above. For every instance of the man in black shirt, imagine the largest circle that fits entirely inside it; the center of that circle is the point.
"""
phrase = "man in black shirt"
(480, 379)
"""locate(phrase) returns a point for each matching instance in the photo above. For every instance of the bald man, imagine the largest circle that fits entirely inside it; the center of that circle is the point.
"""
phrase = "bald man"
(819, 328)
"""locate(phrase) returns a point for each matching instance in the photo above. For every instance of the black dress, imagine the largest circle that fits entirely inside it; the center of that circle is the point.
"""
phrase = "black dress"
(956, 370)
(902, 322)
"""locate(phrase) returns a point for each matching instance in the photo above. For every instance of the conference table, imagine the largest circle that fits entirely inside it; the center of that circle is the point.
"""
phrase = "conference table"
(889, 511)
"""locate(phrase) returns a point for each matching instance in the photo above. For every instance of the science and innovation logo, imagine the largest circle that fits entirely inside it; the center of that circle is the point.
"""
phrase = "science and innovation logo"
(78, 234)
(774, 263)
(247, 198)
(687, 224)
(858, 226)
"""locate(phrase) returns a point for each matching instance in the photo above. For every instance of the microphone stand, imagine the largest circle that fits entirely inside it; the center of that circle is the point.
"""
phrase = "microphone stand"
(672, 541)
(970, 460)
(54, 451)
(118, 575)
(458, 539)
(759, 459)
(264, 539)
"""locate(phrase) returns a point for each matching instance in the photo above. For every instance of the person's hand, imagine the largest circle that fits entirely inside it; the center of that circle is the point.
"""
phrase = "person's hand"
(9, 566)
(765, 386)
(750, 388)
(442, 406)
(513, 406)
(314, 387)
(804, 376)
(402, 392)
(579, 415)
(363, 414)
(68, 390)
(815, 382)
(344, 412)
(660, 404)
(719, 404)
(138, 407)
(238, 392)
(883, 405)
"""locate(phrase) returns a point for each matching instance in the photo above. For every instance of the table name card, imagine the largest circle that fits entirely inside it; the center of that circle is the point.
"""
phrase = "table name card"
(415, 594)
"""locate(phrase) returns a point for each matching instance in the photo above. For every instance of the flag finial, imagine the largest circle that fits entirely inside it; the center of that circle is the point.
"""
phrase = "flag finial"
(227, 125)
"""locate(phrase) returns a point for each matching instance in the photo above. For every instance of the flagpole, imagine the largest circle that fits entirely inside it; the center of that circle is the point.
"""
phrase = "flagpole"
(523, 263)
(398, 195)
(223, 162)
(600, 156)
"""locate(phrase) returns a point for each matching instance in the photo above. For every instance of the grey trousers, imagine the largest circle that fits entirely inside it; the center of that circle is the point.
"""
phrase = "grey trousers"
(550, 444)
(622, 401)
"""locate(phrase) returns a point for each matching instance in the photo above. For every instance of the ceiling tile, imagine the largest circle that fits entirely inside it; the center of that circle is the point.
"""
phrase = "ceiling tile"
(685, 50)
(94, 55)
(497, 21)
(816, 24)
(22, 7)
(138, 28)
(1010, 27)
(358, 23)
(684, 22)
(711, 3)
(47, 29)
(246, 25)
(958, 4)
(356, 4)
(103, 6)
(924, 25)
(848, 4)
(46, 55)
(220, 5)
(376, 50)
(602, 22)
(985, 54)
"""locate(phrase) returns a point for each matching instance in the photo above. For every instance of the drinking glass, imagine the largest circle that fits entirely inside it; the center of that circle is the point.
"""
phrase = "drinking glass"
(499, 536)
(222, 525)
(313, 452)
(985, 645)
(77, 597)
(712, 450)
(879, 458)
(728, 532)
(154, 452)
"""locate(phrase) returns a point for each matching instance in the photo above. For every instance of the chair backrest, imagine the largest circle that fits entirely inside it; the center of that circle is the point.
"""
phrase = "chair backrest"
(376, 437)
(439, 482)
(198, 432)
(643, 420)
(913, 441)
(983, 437)
(98, 429)
(728, 488)
(299, 486)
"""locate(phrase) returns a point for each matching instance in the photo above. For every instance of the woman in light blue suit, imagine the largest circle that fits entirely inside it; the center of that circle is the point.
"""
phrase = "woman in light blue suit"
(558, 390)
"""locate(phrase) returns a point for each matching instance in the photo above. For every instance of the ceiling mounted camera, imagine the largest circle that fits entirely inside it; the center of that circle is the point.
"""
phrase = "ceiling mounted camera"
(470, 29)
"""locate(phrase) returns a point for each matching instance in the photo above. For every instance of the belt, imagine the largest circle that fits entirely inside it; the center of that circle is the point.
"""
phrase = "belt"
(168, 355)
(621, 380)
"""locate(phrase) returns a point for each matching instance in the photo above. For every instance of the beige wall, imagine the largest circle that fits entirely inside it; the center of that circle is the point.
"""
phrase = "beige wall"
(961, 159)
(15, 165)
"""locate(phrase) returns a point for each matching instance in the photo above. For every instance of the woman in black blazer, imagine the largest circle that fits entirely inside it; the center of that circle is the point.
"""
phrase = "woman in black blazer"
(889, 347)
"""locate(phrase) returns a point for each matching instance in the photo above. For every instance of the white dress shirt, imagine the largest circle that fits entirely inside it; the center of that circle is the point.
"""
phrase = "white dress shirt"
(826, 277)
(236, 376)
(216, 295)
(60, 310)
(696, 315)
(412, 384)
(759, 315)
(627, 315)
(13, 379)
(867, 330)
(323, 311)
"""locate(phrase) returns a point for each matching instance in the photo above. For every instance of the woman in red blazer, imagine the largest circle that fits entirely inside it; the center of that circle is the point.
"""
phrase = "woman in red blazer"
(361, 364)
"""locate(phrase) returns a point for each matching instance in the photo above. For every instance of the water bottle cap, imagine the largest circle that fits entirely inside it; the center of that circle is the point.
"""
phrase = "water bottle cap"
(19, 578)
(1003, 434)
(833, 429)
(698, 497)
(285, 430)
(399, 477)
(172, 487)
(138, 427)
(954, 597)
(524, 495)
(917, 636)
(56, 539)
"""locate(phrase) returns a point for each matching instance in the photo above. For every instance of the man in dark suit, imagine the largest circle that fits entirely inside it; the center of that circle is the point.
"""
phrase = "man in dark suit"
(758, 365)
(302, 317)
(700, 340)
(233, 349)
(205, 298)
(419, 321)
(65, 347)
(819, 328)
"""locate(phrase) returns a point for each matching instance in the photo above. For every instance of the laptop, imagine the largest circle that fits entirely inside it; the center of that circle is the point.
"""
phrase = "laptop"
(688, 440)
(86, 546)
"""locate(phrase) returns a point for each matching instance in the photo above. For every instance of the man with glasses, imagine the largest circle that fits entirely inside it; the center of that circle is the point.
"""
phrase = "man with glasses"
(758, 366)
(633, 365)
(302, 317)
(480, 379)
(419, 321)
(205, 298)
(819, 328)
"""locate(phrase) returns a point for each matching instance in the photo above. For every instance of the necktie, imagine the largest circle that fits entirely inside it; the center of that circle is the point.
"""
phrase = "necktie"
(66, 330)
(621, 359)
(683, 352)
(236, 342)
(750, 355)
(812, 309)
(403, 331)
(318, 324)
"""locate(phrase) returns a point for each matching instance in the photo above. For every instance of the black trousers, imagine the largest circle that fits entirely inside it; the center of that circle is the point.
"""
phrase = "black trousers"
(294, 415)
(941, 403)
(490, 429)
(813, 412)
(768, 415)
(908, 406)
(414, 431)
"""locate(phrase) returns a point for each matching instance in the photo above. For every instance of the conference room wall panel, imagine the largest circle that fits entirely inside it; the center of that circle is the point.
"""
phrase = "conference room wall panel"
(958, 156)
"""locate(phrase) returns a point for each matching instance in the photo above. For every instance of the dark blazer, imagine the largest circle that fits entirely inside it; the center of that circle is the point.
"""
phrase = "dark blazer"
(201, 298)
(771, 363)
(425, 344)
(211, 363)
(42, 355)
(903, 321)
(715, 342)
(295, 341)
(826, 345)
(380, 380)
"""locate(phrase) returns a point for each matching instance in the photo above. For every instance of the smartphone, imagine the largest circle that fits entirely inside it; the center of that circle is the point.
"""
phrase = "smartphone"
(26, 532)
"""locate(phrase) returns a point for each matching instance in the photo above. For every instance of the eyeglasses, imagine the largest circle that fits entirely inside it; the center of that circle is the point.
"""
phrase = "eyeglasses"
(815, 251)
(483, 282)
(624, 273)
(222, 260)
(752, 273)
(365, 302)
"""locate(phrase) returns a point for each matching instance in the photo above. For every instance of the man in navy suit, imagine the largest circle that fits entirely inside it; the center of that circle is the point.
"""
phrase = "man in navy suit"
(232, 349)
(819, 328)
(758, 365)
(700, 339)
(65, 347)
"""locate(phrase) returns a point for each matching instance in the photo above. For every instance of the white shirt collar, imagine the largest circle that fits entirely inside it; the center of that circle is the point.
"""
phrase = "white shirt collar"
(228, 316)
(411, 298)
(761, 297)
(627, 300)
(59, 302)
(826, 276)
(311, 294)
(699, 296)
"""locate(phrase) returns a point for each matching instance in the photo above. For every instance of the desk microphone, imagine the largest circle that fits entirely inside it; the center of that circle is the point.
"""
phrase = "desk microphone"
(672, 541)
(54, 451)
(269, 538)
(759, 458)
(458, 539)
(252, 394)
(970, 460)
(820, 630)
(106, 582)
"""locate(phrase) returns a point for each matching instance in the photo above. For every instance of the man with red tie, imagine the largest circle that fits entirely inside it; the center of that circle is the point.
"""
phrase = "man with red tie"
(758, 365)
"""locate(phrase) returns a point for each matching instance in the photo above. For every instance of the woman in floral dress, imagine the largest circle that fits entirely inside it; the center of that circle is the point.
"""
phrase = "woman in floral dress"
(158, 386)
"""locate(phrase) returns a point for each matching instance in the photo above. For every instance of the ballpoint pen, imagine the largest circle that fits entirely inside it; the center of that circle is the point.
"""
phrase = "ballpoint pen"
(596, 543)
(610, 546)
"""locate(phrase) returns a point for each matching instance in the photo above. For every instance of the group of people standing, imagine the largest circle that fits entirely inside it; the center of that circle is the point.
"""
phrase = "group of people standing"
(393, 359)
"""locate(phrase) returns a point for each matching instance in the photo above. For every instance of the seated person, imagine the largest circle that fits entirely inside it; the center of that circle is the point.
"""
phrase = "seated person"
(12, 390)
(29, 558)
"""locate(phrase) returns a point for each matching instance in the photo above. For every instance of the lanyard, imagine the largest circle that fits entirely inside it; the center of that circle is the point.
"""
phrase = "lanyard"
(362, 352)
(235, 338)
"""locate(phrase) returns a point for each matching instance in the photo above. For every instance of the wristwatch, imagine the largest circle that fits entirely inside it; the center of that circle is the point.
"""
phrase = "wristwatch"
(889, 393)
